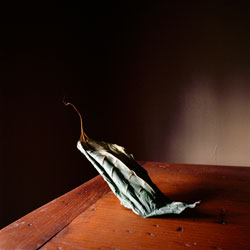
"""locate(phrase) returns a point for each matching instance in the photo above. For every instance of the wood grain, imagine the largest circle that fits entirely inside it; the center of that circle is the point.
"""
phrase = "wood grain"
(39, 226)
(221, 221)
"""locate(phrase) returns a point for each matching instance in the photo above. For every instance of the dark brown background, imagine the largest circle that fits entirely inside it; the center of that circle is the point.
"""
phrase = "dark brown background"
(169, 80)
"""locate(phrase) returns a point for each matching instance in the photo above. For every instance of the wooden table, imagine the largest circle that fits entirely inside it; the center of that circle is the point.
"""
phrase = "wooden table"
(91, 217)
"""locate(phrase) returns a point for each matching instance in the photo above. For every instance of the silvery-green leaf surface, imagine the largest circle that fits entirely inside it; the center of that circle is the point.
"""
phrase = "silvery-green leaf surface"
(127, 179)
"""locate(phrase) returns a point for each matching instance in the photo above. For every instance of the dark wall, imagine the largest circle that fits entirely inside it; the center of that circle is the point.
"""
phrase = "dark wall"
(167, 80)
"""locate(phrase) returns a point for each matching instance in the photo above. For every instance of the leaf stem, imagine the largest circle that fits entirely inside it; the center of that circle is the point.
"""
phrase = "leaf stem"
(83, 136)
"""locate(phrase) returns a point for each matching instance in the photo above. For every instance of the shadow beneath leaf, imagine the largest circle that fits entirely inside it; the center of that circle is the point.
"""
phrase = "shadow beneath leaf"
(188, 213)
(191, 215)
(203, 193)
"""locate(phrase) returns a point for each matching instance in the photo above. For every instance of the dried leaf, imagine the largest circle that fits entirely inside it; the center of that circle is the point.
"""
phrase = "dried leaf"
(126, 178)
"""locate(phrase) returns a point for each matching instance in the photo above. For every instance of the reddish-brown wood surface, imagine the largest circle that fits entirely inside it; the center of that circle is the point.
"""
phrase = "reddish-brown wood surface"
(39, 226)
(98, 221)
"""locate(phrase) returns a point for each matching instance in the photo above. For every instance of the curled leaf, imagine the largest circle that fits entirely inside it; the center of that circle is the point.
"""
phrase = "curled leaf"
(126, 178)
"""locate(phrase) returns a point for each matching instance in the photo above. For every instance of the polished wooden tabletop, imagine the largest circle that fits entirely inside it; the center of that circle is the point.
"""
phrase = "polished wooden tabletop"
(91, 217)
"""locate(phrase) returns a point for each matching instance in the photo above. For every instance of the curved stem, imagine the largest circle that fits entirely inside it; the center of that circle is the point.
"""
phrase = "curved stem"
(83, 135)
